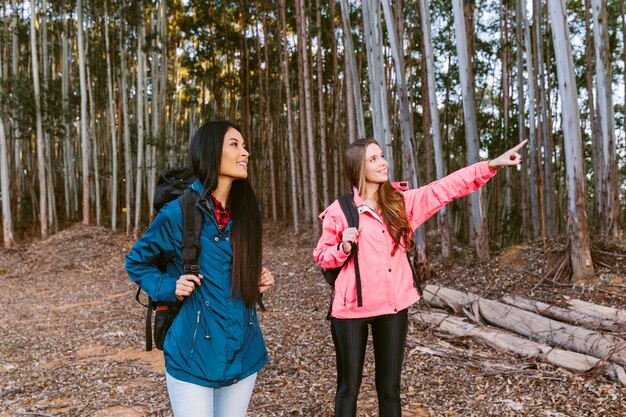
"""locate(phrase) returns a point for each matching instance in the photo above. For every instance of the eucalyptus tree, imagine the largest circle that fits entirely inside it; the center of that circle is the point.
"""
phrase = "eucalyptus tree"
(604, 78)
(290, 134)
(352, 76)
(444, 226)
(533, 151)
(377, 79)
(308, 108)
(41, 165)
(544, 122)
(409, 166)
(128, 183)
(140, 120)
(320, 100)
(479, 227)
(7, 220)
(577, 227)
(111, 117)
(84, 137)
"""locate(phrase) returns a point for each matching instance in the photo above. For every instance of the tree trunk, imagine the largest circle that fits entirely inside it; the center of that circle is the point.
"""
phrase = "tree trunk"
(7, 220)
(322, 110)
(41, 168)
(84, 138)
(378, 84)
(533, 149)
(409, 166)
(128, 183)
(479, 224)
(444, 224)
(17, 135)
(528, 324)
(596, 141)
(496, 338)
(308, 106)
(519, 25)
(577, 228)
(604, 79)
(545, 123)
(577, 318)
(600, 312)
(350, 62)
(111, 124)
(290, 133)
(140, 122)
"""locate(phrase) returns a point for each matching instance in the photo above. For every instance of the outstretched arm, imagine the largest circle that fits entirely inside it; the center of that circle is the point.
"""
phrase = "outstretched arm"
(426, 201)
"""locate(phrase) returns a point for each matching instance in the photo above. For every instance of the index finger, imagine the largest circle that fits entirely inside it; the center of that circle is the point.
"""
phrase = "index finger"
(520, 145)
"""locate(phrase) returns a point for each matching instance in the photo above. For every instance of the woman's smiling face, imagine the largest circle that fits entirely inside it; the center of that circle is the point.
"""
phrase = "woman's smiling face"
(234, 164)
(376, 167)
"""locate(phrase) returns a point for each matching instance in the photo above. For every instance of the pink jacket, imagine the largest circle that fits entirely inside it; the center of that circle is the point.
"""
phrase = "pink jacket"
(386, 281)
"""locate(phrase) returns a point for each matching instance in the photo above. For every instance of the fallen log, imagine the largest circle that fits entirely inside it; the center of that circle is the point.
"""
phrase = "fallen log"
(595, 310)
(529, 324)
(563, 314)
(572, 361)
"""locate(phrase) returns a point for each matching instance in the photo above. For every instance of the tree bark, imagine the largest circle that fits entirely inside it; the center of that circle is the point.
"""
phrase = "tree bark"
(495, 338)
(604, 79)
(528, 324)
(128, 183)
(479, 224)
(140, 122)
(290, 133)
(7, 219)
(577, 228)
(111, 123)
(350, 62)
(84, 138)
(601, 312)
(578, 318)
(308, 106)
(41, 167)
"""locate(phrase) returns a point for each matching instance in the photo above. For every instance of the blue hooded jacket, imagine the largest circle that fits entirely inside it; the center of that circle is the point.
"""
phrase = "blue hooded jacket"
(215, 340)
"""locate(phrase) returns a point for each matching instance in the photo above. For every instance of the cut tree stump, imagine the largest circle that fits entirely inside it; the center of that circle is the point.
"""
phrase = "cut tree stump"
(563, 314)
(498, 339)
(531, 325)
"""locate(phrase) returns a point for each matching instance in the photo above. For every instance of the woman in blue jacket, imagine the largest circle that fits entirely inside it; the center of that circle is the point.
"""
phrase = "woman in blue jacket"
(214, 348)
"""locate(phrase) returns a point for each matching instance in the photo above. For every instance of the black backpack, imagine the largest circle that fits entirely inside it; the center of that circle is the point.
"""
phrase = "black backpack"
(346, 201)
(174, 184)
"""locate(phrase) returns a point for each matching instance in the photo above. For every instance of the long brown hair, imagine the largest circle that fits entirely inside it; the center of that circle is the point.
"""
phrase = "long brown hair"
(205, 155)
(389, 199)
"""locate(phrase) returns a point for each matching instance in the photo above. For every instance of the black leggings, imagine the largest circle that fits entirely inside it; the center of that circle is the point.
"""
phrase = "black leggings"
(350, 338)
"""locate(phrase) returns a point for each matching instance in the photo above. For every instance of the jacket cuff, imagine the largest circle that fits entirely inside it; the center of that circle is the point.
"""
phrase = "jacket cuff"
(341, 255)
(485, 171)
(167, 292)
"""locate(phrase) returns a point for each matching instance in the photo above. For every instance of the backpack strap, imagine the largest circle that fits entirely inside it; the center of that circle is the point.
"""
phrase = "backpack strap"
(192, 227)
(346, 201)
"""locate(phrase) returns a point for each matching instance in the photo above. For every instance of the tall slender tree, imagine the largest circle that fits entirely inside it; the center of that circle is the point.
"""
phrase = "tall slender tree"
(41, 165)
(479, 227)
(577, 228)
(84, 135)
(604, 80)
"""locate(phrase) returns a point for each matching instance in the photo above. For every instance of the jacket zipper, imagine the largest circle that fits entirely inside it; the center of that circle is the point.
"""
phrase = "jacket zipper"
(193, 341)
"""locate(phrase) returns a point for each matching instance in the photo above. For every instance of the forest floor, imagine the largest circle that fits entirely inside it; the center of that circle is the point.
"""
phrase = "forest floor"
(72, 341)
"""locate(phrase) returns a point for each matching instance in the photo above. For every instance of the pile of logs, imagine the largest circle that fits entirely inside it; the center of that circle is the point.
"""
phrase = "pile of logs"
(583, 338)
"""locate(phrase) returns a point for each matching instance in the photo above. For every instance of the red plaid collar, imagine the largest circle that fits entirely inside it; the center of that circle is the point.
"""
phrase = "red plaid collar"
(222, 215)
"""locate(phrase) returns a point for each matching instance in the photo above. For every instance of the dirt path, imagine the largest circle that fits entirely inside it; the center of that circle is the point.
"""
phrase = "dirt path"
(72, 342)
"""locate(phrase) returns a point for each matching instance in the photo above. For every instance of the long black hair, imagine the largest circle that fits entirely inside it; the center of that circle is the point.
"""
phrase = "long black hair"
(205, 156)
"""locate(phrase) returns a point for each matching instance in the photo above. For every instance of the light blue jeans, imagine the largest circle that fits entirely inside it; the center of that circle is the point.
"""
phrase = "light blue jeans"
(191, 400)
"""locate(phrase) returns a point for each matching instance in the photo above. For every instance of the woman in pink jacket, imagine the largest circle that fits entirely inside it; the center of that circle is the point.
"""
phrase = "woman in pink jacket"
(387, 220)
